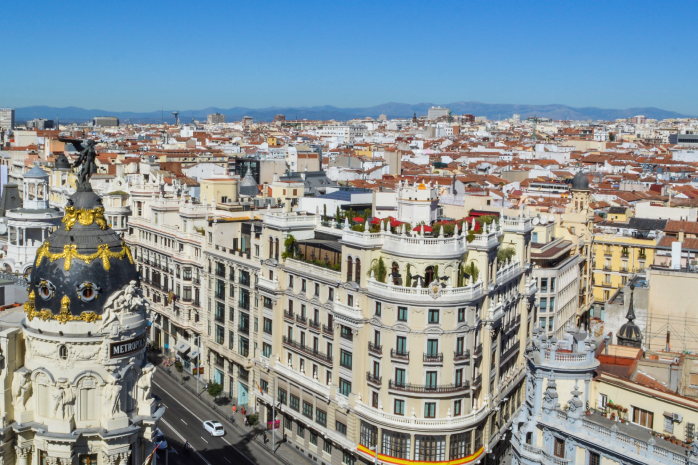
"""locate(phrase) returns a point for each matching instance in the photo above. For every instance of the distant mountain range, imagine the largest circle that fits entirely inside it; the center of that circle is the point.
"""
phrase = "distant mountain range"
(327, 112)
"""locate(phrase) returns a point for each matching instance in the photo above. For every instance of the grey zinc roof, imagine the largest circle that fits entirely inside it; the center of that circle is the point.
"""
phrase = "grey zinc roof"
(36, 172)
(248, 185)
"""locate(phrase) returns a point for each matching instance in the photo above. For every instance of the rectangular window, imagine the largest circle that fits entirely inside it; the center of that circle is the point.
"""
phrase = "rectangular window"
(552, 304)
(317, 289)
(559, 450)
(295, 403)
(340, 427)
(220, 335)
(288, 424)
(431, 380)
(594, 458)
(378, 309)
(544, 284)
(321, 417)
(429, 448)
(400, 376)
(290, 281)
(345, 358)
(461, 315)
(350, 300)
(300, 431)
(402, 313)
(457, 406)
(303, 285)
(267, 325)
(668, 424)
(283, 396)
(432, 347)
(433, 316)
(543, 321)
(396, 444)
(344, 387)
(348, 459)
(313, 438)
(543, 304)
(643, 417)
(330, 294)
(552, 284)
(266, 349)
(460, 445)
(308, 409)
(430, 410)
(327, 447)
(399, 407)
(369, 435)
(401, 345)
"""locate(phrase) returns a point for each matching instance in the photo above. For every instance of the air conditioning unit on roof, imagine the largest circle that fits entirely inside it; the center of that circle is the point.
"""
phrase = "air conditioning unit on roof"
(677, 417)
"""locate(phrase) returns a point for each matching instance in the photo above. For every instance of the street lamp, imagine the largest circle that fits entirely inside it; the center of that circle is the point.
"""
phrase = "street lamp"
(375, 448)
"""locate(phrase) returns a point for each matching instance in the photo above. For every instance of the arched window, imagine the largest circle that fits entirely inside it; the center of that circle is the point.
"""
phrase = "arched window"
(358, 270)
(276, 251)
(428, 275)
(271, 246)
(350, 269)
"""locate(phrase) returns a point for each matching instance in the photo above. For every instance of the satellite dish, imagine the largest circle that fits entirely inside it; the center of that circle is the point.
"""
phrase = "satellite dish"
(551, 219)
(543, 220)
(535, 221)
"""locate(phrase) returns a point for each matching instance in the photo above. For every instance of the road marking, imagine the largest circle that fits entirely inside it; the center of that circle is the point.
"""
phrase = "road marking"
(202, 438)
(242, 454)
(226, 459)
(184, 440)
(183, 421)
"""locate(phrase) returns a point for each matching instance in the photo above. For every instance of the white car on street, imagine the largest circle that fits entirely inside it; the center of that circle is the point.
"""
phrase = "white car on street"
(214, 428)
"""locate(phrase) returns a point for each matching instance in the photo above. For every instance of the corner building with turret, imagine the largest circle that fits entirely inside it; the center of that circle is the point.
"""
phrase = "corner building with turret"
(382, 337)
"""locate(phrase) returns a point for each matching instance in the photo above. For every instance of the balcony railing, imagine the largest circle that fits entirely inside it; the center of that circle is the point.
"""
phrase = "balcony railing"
(289, 315)
(371, 378)
(375, 348)
(434, 358)
(302, 320)
(244, 329)
(197, 281)
(347, 335)
(314, 324)
(428, 388)
(457, 356)
(327, 330)
(307, 350)
(403, 355)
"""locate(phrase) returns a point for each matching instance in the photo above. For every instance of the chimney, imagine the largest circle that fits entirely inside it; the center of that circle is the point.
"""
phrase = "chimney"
(668, 339)
(674, 377)
(676, 255)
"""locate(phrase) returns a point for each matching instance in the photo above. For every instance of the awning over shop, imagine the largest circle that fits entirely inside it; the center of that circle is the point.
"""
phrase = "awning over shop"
(182, 347)
(194, 353)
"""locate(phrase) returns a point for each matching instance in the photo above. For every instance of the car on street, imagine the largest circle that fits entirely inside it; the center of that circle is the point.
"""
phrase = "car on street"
(160, 439)
(214, 428)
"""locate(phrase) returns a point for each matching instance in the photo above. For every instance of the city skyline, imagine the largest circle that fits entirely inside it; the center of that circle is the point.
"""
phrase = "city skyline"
(142, 57)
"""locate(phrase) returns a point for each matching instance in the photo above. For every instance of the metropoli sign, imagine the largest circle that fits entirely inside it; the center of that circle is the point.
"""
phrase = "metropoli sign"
(125, 348)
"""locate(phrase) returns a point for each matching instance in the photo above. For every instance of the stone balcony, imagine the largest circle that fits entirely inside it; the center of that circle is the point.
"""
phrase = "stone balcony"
(268, 284)
(411, 422)
(289, 221)
(517, 224)
(508, 271)
(426, 295)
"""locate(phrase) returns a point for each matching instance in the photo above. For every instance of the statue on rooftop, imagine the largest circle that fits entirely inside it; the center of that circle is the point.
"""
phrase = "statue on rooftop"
(85, 161)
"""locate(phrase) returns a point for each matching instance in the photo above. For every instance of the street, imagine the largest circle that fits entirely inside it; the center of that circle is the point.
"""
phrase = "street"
(183, 421)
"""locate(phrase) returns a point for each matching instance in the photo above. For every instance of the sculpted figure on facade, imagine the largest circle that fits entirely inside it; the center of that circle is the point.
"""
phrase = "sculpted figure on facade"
(64, 401)
(145, 382)
(21, 389)
(111, 395)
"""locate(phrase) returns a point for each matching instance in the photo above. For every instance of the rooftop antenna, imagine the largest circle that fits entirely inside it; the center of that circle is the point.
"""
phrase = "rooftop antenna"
(176, 115)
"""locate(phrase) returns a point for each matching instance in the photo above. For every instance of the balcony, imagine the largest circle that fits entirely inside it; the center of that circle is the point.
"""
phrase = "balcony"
(327, 331)
(399, 355)
(374, 348)
(314, 325)
(434, 358)
(309, 351)
(428, 295)
(268, 284)
(346, 335)
(244, 329)
(428, 388)
(478, 351)
(374, 379)
(289, 316)
(220, 318)
(291, 220)
(196, 281)
(301, 320)
(477, 382)
(460, 356)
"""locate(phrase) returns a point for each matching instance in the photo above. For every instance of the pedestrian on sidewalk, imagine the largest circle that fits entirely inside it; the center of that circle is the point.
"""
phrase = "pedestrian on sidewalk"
(246, 423)
(235, 409)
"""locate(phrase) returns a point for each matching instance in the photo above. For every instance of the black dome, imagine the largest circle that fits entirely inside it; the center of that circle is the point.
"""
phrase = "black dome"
(629, 334)
(82, 260)
(61, 162)
(580, 182)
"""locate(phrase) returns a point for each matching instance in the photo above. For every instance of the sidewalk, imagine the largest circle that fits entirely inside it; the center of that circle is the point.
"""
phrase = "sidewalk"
(224, 408)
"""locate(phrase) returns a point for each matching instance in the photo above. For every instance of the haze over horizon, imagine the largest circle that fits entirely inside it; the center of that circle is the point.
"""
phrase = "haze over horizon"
(144, 56)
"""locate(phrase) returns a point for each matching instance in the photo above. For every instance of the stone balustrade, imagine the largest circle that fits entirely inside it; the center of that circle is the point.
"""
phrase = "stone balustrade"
(426, 294)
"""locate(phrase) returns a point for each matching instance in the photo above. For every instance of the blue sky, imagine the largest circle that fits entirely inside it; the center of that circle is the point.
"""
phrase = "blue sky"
(144, 55)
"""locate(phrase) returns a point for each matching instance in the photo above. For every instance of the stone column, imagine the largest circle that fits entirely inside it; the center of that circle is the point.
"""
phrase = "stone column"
(23, 454)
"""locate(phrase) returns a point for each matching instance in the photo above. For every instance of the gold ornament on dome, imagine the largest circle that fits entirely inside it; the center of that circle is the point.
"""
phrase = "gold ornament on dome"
(84, 216)
(70, 252)
(63, 317)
